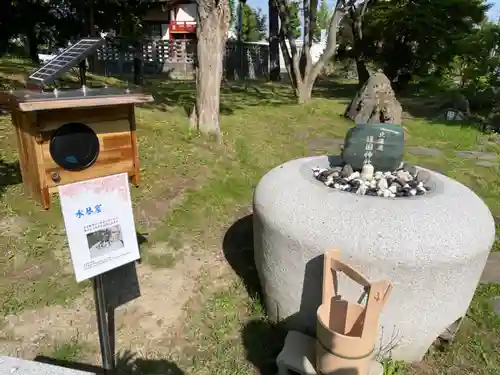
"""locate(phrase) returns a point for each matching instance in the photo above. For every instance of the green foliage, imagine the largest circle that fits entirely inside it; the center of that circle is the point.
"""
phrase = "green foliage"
(294, 19)
(253, 27)
(408, 37)
(55, 22)
(322, 20)
(394, 367)
(478, 60)
(232, 10)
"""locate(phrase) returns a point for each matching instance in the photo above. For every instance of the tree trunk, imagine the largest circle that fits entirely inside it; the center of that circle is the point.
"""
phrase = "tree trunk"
(212, 22)
(303, 91)
(32, 45)
(138, 64)
(274, 43)
(303, 73)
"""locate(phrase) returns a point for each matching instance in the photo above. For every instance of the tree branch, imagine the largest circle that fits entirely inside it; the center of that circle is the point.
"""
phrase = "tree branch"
(285, 29)
(331, 42)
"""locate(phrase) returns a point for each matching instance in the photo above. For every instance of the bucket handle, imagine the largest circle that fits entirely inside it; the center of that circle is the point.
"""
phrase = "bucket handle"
(377, 292)
(332, 262)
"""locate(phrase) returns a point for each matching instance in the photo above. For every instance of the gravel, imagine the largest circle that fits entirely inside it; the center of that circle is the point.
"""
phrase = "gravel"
(403, 182)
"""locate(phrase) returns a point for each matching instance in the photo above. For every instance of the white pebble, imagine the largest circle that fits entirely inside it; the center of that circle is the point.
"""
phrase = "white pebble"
(387, 174)
(373, 184)
(386, 193)
(329, 181)
(380, 193)
(406, 186)
(378, 175)
(317, 171)
(420, 185)
(413, 192)
(353, 176)
(336, 186)
(362, 190)
(393, 195)
(404, 175)
(422, 189)
(382, 184)
(393, 188)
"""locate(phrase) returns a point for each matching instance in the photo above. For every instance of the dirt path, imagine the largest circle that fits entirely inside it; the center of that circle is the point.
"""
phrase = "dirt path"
(141, 324)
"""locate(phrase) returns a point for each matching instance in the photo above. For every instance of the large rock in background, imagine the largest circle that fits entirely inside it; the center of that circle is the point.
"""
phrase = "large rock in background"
(375, 103)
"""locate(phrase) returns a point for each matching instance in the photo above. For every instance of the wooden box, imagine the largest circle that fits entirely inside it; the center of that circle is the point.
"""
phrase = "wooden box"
(75, 135)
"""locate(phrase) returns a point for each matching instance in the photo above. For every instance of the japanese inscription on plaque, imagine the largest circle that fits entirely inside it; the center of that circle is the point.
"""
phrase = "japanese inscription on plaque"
(381, 145)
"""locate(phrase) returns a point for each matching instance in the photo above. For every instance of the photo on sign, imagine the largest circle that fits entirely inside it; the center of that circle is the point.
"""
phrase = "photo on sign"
(105, 241)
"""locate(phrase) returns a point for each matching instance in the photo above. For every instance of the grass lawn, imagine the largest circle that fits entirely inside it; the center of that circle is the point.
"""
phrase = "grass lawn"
(195, 315)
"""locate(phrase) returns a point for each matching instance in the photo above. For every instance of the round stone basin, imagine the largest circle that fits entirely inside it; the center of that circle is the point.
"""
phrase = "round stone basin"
(433, 249)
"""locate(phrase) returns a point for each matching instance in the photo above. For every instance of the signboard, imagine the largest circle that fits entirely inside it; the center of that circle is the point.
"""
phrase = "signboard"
(99, 225)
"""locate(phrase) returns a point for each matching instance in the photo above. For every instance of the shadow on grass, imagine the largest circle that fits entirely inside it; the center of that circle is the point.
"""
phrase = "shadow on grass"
(234, 96)
(262, 338)
(126, 363)
(239, 253)
(10, 174)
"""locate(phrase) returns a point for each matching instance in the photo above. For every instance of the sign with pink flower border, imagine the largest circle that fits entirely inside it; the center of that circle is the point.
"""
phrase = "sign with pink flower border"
(99, 225)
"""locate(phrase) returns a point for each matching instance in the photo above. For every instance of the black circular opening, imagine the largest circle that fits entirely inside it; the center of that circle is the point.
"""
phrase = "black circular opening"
(74, 146)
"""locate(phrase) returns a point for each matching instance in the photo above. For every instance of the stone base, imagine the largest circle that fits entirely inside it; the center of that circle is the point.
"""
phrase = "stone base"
(298, 356)
(429, 247)
(17, 366)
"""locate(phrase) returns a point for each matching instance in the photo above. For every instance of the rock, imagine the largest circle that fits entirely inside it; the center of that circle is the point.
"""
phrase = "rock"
(378, 175)
(404, 175)
(424, 151)
(459, 103)
(347, 171)
(410, 168)
(353, 176)
(382, 184)
(400, 181)
(375, 103)
(423, 176)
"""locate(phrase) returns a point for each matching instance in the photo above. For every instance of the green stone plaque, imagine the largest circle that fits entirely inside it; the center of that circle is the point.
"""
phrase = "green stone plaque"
(381, 145)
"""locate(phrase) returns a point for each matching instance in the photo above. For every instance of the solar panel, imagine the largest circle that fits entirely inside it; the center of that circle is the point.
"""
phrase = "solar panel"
(63, 62)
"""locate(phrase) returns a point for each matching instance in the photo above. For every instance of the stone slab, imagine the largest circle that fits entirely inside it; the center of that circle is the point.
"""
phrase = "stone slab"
(298, 356)
(17, 366)
(487, 163)
(495, 305)
(477, 155)
(491, 273)
(424, 151)
(325, 144)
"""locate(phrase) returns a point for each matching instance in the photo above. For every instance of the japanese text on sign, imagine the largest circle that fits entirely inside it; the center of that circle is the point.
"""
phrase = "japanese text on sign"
(96, 209)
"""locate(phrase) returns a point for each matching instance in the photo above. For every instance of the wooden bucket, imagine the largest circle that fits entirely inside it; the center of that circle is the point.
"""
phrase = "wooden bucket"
(346, 331)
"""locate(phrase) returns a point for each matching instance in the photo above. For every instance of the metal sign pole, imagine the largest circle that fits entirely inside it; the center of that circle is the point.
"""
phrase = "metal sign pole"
(108, 362)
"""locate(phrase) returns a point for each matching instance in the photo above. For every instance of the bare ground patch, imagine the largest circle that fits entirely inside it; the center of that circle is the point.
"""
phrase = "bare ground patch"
(151, 212)
(140, 325)
(12, 226)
